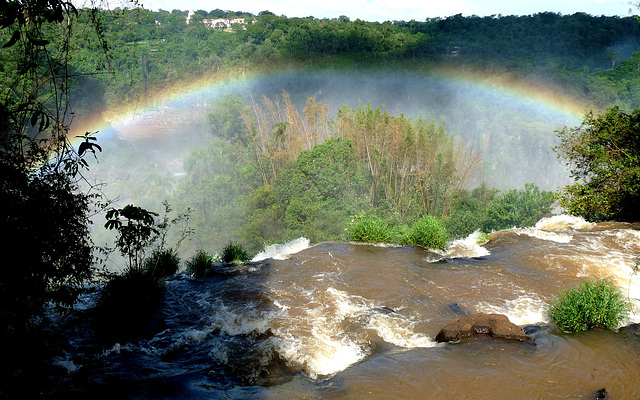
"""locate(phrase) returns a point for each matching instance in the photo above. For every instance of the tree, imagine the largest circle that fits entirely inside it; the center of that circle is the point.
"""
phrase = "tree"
(414, 165)
(45, 216)
(136, 229)
(519, 208)
(46, 245)
(225, 119)
(322, 188)
(604, 156)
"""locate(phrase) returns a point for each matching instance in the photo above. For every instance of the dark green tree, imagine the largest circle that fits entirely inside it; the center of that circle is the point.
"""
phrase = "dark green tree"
(46, 245)
(518, 208)
(604, 156)
(225, 119)
(45, 217)
(322, 189)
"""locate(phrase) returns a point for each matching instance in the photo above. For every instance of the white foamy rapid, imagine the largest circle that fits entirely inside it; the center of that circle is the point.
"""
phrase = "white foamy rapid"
(334, 331)
(524, 310)
(600, 261)
(609, 254)
(557, 228)
(282, 251)
(471, 246)
(563, 222)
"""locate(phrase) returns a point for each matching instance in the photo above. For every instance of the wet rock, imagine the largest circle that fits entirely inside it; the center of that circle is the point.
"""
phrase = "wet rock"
(495, 325)
(631, 331)
(601, 394)
(457, 310)
(383, 310)
(531, 330)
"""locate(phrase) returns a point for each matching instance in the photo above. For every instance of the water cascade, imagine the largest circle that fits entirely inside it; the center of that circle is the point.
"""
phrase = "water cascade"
(346, 320)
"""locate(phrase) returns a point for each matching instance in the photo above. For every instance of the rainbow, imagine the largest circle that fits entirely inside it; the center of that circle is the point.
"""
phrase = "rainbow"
(542, 93)
(530, 92)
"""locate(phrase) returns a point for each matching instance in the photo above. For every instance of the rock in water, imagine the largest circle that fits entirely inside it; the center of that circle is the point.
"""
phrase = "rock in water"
(601, 394)
(495, 325)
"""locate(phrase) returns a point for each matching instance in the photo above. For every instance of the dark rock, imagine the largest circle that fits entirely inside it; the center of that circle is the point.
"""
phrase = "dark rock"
(601, 394)
(383, 310)
(457, 310)
(631, 331)
(531, 329)
(495, 325)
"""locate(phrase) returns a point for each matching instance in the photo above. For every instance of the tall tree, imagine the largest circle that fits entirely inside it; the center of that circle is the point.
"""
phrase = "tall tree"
(45, 216)
(604, 156)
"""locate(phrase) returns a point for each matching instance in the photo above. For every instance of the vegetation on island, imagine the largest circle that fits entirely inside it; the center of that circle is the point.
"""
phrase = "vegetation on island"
(234, 252)
(589, 305)
(198, 265)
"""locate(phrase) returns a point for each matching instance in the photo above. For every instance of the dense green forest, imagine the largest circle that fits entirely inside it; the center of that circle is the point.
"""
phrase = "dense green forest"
(592, 58)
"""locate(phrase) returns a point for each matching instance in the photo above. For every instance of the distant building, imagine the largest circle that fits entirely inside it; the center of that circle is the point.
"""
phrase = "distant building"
(223, 23)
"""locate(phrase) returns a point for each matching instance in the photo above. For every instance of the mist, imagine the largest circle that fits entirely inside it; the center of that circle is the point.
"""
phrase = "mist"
(514, 135)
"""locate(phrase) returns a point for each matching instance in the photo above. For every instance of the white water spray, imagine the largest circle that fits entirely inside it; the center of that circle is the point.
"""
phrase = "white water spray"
(282, 251)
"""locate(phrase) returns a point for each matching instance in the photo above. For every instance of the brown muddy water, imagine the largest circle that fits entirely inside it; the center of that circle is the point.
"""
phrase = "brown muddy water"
(357, 321)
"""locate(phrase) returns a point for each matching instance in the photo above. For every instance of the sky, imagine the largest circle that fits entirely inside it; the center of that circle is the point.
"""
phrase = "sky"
(390, 10)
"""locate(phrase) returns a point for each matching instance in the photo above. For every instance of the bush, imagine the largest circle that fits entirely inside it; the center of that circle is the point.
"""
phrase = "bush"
(519, 208)
(198, 265)
(370, 230)
(466, 217)
(127, 303)
(427, 232)
(234, 252)
(162, 263)
(590, 305)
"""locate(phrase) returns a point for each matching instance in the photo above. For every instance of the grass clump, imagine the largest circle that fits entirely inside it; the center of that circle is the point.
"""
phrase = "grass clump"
(428, 232)
(162, 263)
(199, 264)
(589, 305)
(369, 230)
(234, 252)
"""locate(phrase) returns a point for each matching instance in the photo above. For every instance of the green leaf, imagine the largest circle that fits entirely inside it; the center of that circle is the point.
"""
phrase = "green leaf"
(34, 118)
(14, 39)
(113, 224)
(36, 41)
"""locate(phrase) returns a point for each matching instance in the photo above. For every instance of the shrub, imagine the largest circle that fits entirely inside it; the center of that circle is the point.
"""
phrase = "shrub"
(234, 252)
(198, 265)
(369, 229)
(466, 217)
(482, 238)
(518, 208)
(162, 263)
(590, 305)
(428, 232)
(127, 303)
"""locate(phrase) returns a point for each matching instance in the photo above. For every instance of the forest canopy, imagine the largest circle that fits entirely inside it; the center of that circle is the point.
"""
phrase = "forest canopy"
(592, 58)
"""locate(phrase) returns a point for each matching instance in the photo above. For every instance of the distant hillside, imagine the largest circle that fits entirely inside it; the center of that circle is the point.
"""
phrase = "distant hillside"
(592, 58)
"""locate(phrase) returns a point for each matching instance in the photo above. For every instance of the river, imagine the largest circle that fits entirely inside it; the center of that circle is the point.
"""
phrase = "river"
(358, 321)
